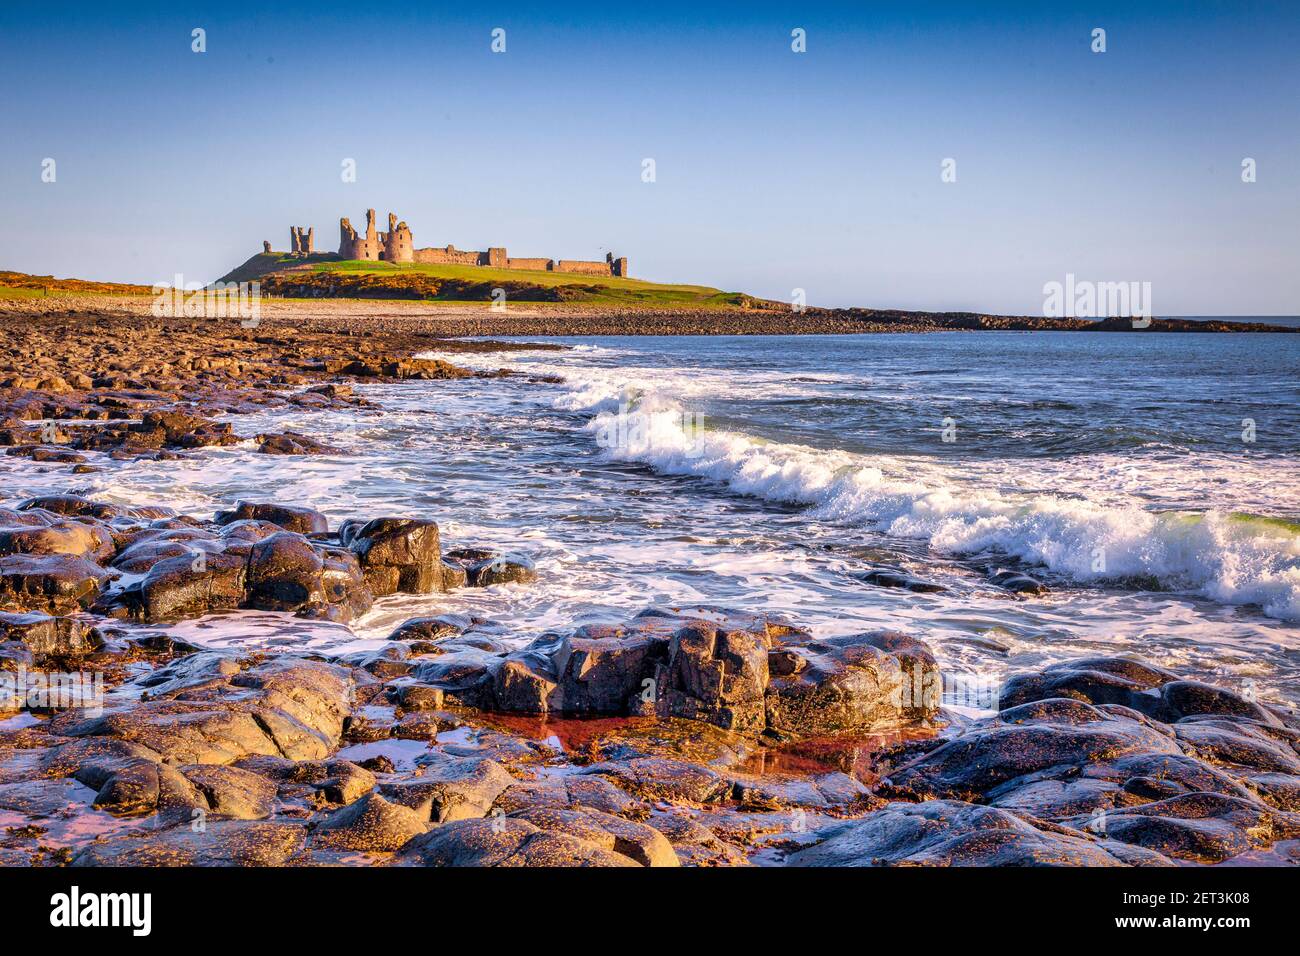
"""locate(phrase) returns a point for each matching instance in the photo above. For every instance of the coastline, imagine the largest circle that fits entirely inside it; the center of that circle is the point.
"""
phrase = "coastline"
(686, 736)
(477, 319)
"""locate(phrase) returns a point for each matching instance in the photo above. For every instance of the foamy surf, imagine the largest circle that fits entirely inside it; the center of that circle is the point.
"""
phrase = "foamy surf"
(643, 415)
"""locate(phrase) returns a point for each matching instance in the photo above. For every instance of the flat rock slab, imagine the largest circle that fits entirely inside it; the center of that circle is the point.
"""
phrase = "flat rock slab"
(221, 843)
(952, 833)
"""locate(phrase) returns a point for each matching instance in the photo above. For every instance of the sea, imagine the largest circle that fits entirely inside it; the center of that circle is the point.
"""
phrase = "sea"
(1151, 482)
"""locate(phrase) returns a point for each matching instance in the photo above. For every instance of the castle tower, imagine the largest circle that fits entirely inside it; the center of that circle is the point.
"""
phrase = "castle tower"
(301, 240)
(353, 246)
(398, 244)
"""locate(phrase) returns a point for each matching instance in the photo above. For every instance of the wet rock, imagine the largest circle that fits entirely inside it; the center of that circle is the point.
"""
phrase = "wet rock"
(1185, 788)
(852, 684)
(1153, 691)
(894, 578)
(92, 760)
(289, 572)
(417, 697)
(219, 843)
(193, 583)
(419, 725)
(52, 636)
(292, 443)
(568, 792)
(71, 506)
(1197, 827)
(200, 715)
(55, 582)
(694, 843)
(285, 573)
(504, 842)
(1256, 746)
(371, 824)
(433, 628)
(288, 517)
(232, 792)
(951, 833)
(146, 550)
(716, 668)
(344, 781)
(43, 798)
(719, 676)
(595, 670)
(485, 568)
(774, 629)
(1017, 583)
(818, 792)
(329, 781)
(453, 576)
(84, 539)
(639, 842)
(1052, 739)
(142, 786)
(664, 778)
(452, 789)
(396, 554)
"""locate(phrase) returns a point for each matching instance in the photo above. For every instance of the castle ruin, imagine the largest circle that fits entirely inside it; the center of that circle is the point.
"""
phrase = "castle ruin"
(396, 245)
(301, 240)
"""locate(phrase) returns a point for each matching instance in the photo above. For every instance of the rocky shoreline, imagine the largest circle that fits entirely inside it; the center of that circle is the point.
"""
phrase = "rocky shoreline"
(694, 736)
(465, 319)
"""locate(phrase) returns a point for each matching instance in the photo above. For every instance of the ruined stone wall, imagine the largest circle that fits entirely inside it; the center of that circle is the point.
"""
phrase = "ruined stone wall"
(542, 265)
(583, 268)
(450, 256)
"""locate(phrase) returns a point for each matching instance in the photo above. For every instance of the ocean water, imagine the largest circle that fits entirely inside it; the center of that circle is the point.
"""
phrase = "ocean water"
(1151, 481)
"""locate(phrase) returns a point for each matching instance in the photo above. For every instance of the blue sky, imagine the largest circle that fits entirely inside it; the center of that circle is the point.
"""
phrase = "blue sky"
(775, 170)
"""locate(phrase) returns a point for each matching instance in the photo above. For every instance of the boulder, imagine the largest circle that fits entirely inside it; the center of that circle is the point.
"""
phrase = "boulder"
(231, 792)
(285, 573)
(1153, 691)
(452, 789)
(288, 517)
(1196, 827)
(370, 824)
(292, 443)
(484, 568)
(1017, 583)
(717, 675)
(505, 842)
(894, 578)
(52, 636)
(54, 582)
(952, 833)
(193, 583)
(664, 778)
(639, 842)
(84, 539)
(396, 554)
(851, 684)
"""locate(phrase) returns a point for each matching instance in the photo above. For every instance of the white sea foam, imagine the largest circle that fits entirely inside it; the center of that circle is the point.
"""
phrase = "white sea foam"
(1110, 536)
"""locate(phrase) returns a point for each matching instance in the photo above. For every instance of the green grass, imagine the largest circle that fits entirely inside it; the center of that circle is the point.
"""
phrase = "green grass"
(601, 289)
(11, 292)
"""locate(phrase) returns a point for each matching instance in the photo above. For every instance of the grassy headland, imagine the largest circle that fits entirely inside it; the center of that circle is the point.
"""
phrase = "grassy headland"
(326, 276)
